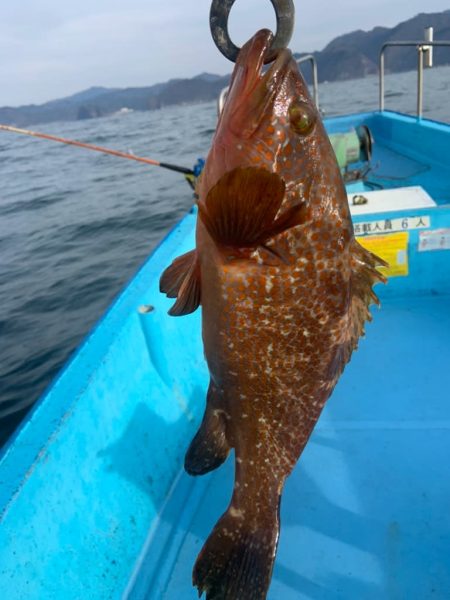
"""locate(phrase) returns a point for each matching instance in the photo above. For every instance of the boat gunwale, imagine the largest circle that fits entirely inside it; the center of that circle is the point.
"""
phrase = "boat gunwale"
(13, 477)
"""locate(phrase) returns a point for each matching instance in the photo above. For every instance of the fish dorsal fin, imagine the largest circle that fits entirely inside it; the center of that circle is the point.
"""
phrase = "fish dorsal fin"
(365, 275)
(241, 209)
(182, 280)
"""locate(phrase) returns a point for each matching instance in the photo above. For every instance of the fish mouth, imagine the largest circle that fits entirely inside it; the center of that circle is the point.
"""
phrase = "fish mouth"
(253, 90)
(255, 54)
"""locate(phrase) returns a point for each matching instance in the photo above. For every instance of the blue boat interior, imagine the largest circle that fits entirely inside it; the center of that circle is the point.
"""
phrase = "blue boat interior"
(406, 152)
(92, 488)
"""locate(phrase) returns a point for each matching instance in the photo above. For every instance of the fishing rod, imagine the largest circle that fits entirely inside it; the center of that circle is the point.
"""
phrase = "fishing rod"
(189, 173)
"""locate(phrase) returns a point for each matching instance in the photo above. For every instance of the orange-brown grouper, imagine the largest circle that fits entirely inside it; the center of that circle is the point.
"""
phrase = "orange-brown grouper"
(284, 288)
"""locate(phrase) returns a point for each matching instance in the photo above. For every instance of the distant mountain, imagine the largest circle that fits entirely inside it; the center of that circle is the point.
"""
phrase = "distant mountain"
(350, 56)
(355, 55)
(208, 77)
(99, 101)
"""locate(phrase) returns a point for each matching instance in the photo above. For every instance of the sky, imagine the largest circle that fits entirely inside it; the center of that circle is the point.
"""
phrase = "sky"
(53, 48)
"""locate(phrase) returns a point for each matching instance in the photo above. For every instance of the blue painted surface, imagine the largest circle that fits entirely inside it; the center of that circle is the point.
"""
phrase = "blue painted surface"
(92, 502)
(409, 151)
(365, 513)
(91, 468)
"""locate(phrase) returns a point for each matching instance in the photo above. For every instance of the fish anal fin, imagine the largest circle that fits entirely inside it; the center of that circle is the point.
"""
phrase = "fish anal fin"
(241, 209)
(210, 447)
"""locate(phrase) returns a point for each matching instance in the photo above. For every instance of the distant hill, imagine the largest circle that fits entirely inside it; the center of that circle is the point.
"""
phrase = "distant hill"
(350, 56)
(99, 101)
(355, 55)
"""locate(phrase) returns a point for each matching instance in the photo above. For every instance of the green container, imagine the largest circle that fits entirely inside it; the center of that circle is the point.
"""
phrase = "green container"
(353, 146)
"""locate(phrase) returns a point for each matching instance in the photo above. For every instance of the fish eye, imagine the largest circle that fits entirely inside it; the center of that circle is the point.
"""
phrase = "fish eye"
(301, 117)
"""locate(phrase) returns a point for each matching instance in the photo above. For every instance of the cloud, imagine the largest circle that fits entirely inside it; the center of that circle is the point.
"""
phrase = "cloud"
(52, 49)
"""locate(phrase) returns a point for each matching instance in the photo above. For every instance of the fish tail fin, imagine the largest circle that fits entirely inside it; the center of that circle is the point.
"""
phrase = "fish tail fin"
(237, 559)
(210, 447)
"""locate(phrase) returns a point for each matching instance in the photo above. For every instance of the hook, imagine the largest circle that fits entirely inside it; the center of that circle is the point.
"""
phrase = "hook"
(218, 21)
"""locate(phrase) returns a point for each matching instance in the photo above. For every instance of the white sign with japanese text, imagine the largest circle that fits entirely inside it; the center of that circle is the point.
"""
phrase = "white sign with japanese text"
(391, 225)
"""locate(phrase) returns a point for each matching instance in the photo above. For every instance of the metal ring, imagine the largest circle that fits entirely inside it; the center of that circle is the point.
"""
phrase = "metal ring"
(218, 21)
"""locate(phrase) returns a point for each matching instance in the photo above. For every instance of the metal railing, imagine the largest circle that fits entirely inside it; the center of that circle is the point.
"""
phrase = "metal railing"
(310, 58)
(307, 58)
(423, 48)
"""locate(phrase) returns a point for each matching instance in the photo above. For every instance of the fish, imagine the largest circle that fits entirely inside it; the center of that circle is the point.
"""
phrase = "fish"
(285, 291)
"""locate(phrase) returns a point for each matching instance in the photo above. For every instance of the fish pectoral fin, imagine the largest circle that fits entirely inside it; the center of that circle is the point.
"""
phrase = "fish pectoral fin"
(181, 280)
(241, 209)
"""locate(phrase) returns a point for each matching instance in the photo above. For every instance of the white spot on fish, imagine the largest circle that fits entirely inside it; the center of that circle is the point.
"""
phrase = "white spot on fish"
(269, 285)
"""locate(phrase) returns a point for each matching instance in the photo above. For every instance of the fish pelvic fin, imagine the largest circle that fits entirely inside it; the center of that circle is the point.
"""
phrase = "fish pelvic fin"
(210, 447)
(172, 278)
(241, 209)
(181, 280)
(237, 559)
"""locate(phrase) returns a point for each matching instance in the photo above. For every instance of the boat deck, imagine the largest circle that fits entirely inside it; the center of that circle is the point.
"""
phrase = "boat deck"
(403, 155)
(365, 513)
(93, 500)
(391, 169)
